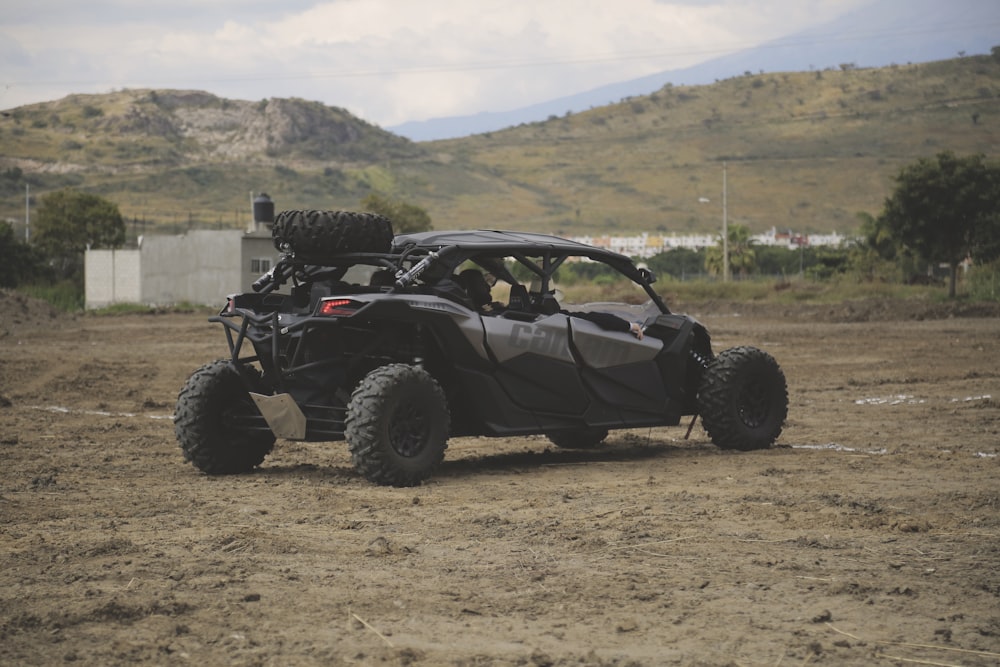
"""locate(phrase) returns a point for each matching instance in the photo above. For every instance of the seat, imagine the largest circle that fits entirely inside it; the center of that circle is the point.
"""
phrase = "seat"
(382, 278)
(519, 299)
(549, 305)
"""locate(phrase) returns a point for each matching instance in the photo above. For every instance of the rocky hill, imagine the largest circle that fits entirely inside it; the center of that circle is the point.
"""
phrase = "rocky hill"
(804, 150)
(173, 127)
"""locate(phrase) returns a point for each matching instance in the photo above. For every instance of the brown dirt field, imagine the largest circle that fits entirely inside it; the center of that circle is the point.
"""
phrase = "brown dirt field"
(867, 535)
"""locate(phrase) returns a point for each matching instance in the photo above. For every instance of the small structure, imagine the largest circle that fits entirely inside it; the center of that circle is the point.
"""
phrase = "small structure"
(200, 267)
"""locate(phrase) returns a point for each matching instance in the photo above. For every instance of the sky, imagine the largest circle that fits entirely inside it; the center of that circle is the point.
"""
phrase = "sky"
(386, 61)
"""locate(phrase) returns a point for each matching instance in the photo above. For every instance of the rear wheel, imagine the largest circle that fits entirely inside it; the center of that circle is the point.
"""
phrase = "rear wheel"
(397, 425)
(216, 422)
(743, 399)
(578, 438)
(312, 236)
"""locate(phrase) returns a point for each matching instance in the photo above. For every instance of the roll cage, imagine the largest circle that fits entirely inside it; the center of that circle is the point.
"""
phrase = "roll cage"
(540, 254)
(427, 259)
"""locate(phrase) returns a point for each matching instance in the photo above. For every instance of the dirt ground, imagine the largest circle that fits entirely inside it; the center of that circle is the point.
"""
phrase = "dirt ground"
(867, 535)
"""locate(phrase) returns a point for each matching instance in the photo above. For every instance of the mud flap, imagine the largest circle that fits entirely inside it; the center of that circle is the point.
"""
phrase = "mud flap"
(282, 414)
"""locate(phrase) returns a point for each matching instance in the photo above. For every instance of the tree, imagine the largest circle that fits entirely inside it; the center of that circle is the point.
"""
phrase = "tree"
(406, 218)
(947, 210)
(679, 263)
(742, 257)
(68, 222)
(19, 263)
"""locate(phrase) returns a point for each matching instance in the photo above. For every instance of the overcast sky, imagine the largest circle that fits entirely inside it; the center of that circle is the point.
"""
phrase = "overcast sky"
(387, 61)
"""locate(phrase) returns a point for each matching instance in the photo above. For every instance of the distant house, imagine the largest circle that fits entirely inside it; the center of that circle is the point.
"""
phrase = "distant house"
(200, 267)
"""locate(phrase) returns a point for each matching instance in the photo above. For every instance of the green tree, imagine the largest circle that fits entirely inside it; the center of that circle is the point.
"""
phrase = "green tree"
(742, 256)
(877, 238)
(406, 218)
(779, 260)
(873, 255)
(679, 263)
(20, 264)
(68, 222)
(947, 210)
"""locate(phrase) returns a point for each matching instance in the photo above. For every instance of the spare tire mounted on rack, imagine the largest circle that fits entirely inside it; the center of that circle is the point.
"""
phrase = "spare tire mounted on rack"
(312, 236)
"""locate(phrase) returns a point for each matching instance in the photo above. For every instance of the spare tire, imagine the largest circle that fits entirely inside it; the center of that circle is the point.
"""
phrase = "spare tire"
(312, 236)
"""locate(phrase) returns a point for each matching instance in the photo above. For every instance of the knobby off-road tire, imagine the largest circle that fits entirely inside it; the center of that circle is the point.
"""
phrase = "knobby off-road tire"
(578, 438)
(313, 236)
(397, 425)
(743, 399)
(212, 407)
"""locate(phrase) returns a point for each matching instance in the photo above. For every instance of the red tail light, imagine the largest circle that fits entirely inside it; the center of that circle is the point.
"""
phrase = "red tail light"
(337, 308)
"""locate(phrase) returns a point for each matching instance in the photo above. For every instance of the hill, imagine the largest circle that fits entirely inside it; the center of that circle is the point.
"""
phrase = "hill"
(875, 34)
(804, 150)
(188, 155)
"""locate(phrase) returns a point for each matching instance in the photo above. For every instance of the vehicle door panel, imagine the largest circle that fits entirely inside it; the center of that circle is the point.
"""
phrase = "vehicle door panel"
(535, 365)
(619, 368)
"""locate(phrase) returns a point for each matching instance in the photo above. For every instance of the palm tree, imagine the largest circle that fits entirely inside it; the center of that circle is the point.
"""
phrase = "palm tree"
(742, 257)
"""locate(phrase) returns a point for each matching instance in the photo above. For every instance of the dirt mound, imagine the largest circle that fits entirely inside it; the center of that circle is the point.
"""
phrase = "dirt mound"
(23, 313)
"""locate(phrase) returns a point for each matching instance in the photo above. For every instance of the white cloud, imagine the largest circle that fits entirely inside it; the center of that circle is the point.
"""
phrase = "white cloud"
(386, 60)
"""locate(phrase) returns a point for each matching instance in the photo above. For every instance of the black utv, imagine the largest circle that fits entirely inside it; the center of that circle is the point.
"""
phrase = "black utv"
(388, 342)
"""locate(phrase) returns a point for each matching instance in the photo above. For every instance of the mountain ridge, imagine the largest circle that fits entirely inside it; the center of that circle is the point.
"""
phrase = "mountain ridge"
(806, 151)
(198, 125)
(875, 38)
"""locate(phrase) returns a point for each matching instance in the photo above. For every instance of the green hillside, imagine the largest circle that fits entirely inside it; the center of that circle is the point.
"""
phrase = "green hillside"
(804, 150)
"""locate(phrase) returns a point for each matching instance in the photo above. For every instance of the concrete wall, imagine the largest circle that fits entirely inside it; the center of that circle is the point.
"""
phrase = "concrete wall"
(201, 267)
(112, 276)
(198, 267)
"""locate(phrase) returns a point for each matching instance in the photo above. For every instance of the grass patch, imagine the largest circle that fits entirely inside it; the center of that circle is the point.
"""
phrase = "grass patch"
(64, 296)
(760, 291)
(122, 309)
(183, 307)
(984, 282)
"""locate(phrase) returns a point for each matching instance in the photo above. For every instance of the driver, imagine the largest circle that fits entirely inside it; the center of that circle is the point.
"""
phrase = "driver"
(475, 285)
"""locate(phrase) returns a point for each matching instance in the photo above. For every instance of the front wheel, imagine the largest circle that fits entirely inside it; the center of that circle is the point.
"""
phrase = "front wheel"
(743, 399)
(216, 422)
(397, 425)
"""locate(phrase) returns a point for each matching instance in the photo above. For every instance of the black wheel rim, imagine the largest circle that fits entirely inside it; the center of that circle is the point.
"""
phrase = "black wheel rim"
(408, 430)
(754, 404)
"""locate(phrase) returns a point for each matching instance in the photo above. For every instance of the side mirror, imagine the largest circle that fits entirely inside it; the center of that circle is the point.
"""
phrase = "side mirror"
(647, 276)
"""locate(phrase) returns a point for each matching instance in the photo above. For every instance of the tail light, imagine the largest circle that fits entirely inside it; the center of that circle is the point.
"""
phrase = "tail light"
(337, 307)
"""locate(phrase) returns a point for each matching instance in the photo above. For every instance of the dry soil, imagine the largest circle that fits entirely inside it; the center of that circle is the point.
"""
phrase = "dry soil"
(867, 535)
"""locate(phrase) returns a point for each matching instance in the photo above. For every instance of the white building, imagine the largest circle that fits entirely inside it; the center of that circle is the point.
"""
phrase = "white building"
(646, 245)
(200, 267)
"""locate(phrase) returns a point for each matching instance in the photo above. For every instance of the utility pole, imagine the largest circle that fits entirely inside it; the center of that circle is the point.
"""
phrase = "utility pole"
(725, 228)
(27, 213)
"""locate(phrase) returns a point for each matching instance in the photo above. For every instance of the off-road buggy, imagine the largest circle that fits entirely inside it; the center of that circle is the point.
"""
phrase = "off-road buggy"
(359, 335)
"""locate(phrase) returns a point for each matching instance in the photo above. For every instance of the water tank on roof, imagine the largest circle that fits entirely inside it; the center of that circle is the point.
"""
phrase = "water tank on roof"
(263, 209)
